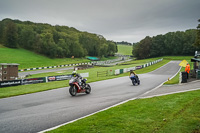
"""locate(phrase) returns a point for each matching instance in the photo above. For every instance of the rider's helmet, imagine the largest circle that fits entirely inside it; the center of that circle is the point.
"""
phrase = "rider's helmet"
(74, 73)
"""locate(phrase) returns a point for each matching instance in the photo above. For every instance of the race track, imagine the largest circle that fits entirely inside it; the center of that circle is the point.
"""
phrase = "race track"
(39, 111)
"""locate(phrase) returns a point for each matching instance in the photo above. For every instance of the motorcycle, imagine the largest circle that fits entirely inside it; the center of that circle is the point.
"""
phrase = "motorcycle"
(135, 80)
(75, 87)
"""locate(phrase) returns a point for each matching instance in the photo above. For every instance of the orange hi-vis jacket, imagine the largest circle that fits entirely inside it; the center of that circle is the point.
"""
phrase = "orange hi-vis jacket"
(187, 68)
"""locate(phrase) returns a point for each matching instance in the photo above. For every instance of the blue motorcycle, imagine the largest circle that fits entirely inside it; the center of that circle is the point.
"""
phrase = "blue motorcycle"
(135, 80)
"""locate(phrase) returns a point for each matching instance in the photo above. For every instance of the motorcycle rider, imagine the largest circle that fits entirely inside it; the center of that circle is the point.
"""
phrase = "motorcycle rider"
(133, 75)
(79, 78)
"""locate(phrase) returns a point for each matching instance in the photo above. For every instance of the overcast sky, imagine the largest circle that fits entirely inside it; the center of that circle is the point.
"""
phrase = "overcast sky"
(117, 20)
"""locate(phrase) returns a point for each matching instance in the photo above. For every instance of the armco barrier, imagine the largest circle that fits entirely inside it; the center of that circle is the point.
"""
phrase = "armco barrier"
(131, 68)
(125, 70)
(119, 71)
(138, 67)
(39, 68)
(94, 62)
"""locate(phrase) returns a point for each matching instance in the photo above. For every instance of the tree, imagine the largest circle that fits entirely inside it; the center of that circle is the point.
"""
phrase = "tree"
(27, 38)
(48, 46)
(1, 32)
(189, 39)
(158, 46)
(11, 35)
(144, 48)
(38, 43)
(63, 49)
(111, 48)
(197, 41)
(135, 50)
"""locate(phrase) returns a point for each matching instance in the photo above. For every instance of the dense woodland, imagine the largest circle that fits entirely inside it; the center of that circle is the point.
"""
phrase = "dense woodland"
(172, 43)
(53, 41)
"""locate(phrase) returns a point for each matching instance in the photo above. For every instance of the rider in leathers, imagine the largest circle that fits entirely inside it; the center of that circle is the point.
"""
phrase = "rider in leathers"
(79, 78)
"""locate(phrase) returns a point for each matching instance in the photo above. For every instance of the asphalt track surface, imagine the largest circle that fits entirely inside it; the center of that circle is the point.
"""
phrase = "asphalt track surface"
(39, 111)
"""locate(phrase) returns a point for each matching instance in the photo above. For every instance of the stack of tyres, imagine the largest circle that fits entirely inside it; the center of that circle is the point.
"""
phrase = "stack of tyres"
(184, 77)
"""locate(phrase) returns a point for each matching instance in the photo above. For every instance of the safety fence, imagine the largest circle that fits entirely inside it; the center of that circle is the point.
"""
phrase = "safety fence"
(120, 71)
(39, 68)
(38, 80)
(99, 63)
(76, 64)
(124, 70)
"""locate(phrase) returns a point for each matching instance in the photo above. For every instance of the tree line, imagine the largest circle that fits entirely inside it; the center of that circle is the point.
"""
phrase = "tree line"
(172, 43)
(124, 43)
(53, 41)
(197, 41)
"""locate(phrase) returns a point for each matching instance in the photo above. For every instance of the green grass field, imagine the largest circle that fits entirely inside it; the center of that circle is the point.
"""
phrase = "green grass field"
(28, 59)
(125, 49)
(176, 113)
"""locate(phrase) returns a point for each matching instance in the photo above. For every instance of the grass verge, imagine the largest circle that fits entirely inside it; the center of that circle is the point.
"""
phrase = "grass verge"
(176, 113)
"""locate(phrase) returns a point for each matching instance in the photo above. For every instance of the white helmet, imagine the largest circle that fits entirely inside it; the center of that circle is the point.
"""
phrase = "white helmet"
(74, 73)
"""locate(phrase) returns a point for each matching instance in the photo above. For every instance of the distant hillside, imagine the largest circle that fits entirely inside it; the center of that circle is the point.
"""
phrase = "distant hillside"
(28, 59)
(53, 41)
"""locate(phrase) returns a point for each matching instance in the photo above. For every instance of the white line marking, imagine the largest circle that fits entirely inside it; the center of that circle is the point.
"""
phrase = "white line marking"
(169, 93)
(85, 116)
(161, 83)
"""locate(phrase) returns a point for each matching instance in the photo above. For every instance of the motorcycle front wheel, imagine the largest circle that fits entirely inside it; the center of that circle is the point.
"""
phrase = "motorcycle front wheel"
(73, 90)
(133, 82)
(87, 89)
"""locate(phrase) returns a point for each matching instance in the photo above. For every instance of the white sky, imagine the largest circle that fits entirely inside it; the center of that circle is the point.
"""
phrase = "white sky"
(117, 20)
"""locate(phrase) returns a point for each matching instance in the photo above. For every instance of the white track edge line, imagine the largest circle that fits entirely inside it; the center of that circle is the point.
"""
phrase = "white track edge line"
(169, 93)
(160, 84)
(86, 115)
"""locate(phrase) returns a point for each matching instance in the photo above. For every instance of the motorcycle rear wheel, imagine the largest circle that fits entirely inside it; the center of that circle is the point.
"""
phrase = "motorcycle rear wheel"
(73, 90)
